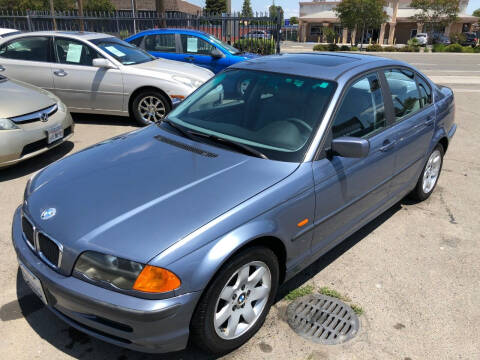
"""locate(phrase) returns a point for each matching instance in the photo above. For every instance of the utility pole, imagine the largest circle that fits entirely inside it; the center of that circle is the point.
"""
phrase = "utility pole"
(80, 13)
(52, 13)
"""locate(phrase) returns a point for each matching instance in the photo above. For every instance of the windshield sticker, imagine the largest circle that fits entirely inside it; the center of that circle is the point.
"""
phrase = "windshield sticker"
(115, 51)
(192, 44)
(74, 53)
(324, 85)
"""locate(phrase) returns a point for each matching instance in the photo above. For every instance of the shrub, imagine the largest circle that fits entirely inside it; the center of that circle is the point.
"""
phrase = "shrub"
(468, 50)
(390, 49)
(257, 46)
(329, 34)
(354, 48)
(438, 48)
(457, 38)
(320, 47)
(374, 47)
(344, 48)
(332, 47)
(454, 48)
(476, 49)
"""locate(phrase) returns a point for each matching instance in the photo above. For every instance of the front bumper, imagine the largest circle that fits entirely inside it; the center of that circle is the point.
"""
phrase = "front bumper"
(31, 139)
(139, 324)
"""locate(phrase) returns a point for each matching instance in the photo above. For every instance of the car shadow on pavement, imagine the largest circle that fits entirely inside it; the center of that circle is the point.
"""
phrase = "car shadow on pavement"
(95, 119)
(35, 163)
(79, 345)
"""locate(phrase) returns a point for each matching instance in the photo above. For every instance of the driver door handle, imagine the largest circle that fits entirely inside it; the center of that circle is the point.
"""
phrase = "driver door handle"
(60, 73)
(387, 145)
(189, 58)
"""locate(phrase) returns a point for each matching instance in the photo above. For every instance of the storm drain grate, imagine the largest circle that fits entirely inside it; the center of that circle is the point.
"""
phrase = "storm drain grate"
(322, 319)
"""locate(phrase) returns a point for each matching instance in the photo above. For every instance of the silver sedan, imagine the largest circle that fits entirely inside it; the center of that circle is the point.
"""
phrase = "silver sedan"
(32, 121)
(98, 73)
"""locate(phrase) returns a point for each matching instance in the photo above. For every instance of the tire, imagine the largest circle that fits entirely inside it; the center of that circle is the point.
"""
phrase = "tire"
(422, 191)
(205, 332)
(153, 101)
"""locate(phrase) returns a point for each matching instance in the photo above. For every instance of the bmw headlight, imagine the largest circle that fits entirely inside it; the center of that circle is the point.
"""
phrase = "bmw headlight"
(6, 124)
(125, 274)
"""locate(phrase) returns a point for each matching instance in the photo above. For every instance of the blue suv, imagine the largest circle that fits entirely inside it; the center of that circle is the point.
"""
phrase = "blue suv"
(191, 46)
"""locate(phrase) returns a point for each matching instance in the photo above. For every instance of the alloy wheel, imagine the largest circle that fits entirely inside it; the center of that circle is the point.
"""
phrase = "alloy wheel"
(432, 170)
(151, 108)
(242, 300)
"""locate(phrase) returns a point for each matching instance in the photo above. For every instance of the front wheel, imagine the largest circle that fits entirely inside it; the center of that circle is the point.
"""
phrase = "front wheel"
(429, 177)
(150, 106)
(237, 301)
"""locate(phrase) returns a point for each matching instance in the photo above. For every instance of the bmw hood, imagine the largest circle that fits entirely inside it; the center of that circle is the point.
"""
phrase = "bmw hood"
(137, 194)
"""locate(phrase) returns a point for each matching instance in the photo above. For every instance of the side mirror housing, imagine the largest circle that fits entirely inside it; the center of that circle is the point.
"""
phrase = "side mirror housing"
(217, 54)
(103, 63)
(350, 147)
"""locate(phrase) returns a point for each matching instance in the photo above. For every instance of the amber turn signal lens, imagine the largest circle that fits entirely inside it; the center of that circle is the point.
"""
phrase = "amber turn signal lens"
(153, 279)
(302, 223)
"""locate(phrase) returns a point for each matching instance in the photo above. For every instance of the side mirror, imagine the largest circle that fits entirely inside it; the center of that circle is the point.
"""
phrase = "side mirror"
(216, 54)
(103, 63)
(350, 147)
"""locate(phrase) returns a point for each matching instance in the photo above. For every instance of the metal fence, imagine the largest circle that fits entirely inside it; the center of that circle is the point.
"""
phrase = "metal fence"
(227, 27)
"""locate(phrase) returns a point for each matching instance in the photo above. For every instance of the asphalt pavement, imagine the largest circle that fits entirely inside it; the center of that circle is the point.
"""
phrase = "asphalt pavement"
(415, 270)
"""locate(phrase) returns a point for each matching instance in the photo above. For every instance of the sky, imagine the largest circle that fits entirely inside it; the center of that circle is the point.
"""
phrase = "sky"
(290, 7)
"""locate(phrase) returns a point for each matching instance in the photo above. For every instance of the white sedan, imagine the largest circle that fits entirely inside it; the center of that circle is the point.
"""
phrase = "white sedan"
(98, 73)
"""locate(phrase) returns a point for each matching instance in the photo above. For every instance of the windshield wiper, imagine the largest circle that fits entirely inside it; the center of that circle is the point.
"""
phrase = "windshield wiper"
(245, 148)
(179, 129)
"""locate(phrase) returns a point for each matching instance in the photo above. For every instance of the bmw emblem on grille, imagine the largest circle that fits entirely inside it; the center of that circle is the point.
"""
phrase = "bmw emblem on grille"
(44, 117)
(48, 213)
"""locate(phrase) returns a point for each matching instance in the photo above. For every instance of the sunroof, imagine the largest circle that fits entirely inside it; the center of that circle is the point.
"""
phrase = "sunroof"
(318, 59)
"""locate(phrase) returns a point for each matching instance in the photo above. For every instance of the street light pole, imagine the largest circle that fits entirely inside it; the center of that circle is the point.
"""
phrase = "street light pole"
(134, 8)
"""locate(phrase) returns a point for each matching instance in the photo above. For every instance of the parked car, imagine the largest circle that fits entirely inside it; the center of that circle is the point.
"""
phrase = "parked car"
(8, 32)
(257, 34)
(190, 46)
(32, 121)
(440, 39)
(255, 176)
(98, 73)
(422, 38)
(470, 39)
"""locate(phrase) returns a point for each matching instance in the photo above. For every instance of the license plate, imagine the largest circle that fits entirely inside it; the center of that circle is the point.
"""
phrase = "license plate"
(55, 133)
(33, 282)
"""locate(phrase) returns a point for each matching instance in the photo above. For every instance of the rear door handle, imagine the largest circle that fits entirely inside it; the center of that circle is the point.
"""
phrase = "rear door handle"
(189, 58)
(387, 145)
(60, 73)
(2, 68)
(429, 121)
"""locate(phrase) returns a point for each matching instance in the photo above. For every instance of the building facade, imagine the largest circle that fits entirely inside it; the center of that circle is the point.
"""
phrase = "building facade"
(172, 6)
(317, 15)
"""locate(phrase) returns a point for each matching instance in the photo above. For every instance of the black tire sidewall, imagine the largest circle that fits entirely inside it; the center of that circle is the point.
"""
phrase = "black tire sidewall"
(419, 194)
(202, 326)
(136, 115)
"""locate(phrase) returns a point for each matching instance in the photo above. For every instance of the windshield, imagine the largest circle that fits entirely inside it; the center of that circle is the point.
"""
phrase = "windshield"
(276, 114)
(224, 45)
(122, 51)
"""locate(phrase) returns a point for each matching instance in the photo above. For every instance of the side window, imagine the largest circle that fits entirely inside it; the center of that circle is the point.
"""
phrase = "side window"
(28, 48)
(137, 41)
(195, 45)
(425, 92)
(72, 52)
(403, 88)
(161, 43)
(362, 111)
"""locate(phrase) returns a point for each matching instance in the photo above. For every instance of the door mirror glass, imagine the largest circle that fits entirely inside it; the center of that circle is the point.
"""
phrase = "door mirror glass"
(103, 63)
(216, 54)
(350, 147)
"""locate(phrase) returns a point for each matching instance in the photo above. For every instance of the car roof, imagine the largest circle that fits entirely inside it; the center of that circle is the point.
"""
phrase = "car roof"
(6, 31)
(71, 34)
(170, 30)
(320, 65)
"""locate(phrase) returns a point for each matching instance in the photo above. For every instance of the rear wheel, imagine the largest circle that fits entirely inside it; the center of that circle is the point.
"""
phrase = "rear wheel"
(430, 174)
(150, 106)
(237, 301)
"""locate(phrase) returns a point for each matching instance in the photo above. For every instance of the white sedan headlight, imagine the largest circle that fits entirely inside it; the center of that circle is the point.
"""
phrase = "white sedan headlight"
(6, 124)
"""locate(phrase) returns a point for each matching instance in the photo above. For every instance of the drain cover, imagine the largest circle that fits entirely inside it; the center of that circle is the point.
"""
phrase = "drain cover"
(322, 319)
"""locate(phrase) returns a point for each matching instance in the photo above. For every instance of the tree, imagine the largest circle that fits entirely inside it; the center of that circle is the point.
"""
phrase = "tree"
(160, 8)
(476, 13)
(216, 6)
(435, 14)
(361, 14)
(276, 12)
(99, 5)
(247, 9)
(23, 5)
(293, 20)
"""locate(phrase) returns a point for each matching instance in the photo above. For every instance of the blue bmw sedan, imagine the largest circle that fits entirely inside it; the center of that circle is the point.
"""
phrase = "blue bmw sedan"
(186, 228)
(191, 46)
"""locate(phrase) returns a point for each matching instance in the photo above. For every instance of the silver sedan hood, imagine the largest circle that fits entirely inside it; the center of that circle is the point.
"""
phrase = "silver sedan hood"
(18, 98)
(171, 67)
